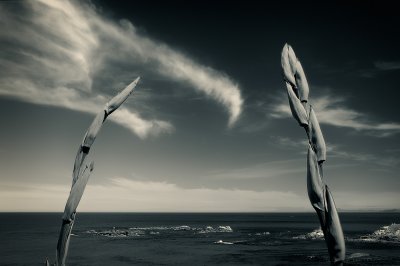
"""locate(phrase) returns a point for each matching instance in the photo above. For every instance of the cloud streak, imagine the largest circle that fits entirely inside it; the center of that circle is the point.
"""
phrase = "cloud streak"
(74, 100)
(121, 194)
(338, 152)
(67, 54)
(384, 66)
(124, 195)
(332, 111)
(267, 170)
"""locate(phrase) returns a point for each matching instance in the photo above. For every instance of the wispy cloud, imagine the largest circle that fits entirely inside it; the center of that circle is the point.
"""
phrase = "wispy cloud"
(124, 195)
(354, 68)
(67, 54)
(379, 67)
(290, 143)
(372, 201)
(337, 151)
(270, 169)
(73, 99)
(386, 161)
(382, 65)
(121, 194)
(332, 110)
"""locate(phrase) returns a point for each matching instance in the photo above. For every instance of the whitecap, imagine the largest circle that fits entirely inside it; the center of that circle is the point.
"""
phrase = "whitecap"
(357, 255)
(151, 228)
(315, 234)
(224, 228)
(163, 228)
(263, 234)
(181, 228)
(223, 242)
(155, 230)
(388, 233)
(219, 229)
(117, 233)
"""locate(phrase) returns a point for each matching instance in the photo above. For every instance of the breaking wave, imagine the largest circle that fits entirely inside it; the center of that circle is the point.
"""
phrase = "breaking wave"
(157, 230)
(262, 234)
(219, 229)
(385, 234)
(118, 233)
(357, 255)
(316, 234)
(223, 242)
(388, 233)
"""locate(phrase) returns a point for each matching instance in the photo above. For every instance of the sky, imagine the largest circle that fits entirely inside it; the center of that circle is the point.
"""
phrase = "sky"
(208, 128)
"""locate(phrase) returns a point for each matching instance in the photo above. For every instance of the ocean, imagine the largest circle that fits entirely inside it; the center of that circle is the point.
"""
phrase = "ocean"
(197, 239)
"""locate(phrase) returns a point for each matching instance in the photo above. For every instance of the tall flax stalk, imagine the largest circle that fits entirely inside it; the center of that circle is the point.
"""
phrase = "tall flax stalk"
(318, 192)
(82, 170)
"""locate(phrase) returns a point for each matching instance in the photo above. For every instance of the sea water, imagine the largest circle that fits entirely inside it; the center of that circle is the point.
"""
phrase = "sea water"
(197, 239)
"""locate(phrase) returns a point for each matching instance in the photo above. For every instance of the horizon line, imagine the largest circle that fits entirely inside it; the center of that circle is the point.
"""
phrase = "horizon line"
(203, 212)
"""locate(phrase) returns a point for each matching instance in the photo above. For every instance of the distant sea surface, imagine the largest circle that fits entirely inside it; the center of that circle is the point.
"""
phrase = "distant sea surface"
(197, 239)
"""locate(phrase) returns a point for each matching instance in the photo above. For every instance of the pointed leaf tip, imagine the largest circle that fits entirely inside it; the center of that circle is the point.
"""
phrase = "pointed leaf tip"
(286, 46)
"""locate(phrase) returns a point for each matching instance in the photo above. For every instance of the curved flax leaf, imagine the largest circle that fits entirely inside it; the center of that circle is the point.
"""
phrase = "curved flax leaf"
(316, 138)
(63, 240)
(76, 192)
(334, 234)
(297, 109)
(301, 82)
(94, 128)
(80, 176)
(116, 102)
(315, 186)
(318, 192)
(288, 71)
(68, 217)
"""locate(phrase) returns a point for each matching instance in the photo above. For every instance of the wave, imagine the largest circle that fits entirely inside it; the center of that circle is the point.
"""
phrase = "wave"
(118, 233)
(357, 255)
(262, 234)
(206, 229)
(163, 228)
(388, 233)
(156, 230)
(315, 234)
(219, 229)
(223, 242)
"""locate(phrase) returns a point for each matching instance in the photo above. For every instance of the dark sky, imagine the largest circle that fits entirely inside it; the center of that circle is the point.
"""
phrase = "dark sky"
(207, 128)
